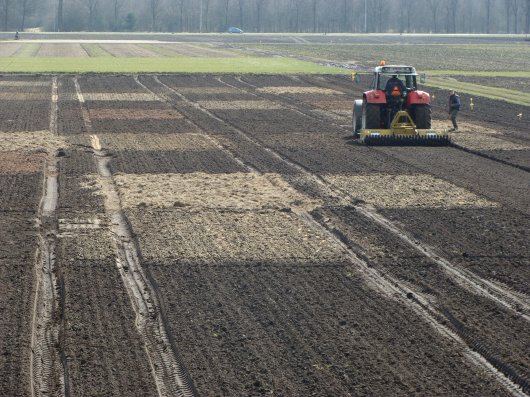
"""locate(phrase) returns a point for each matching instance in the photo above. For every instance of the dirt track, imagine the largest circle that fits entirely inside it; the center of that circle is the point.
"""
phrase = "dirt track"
(277, 256)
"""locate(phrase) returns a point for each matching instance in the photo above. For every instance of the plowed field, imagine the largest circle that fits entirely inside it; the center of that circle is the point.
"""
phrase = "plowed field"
(221, 235)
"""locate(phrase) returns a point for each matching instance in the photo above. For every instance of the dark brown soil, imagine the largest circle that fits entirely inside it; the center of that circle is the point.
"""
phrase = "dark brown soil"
(259, 300)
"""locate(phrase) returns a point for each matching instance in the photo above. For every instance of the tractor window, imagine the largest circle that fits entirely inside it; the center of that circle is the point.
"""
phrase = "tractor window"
(409, 81)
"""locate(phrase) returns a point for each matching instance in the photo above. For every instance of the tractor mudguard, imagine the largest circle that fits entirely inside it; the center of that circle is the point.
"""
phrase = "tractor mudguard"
(375, 96)
(418, 98)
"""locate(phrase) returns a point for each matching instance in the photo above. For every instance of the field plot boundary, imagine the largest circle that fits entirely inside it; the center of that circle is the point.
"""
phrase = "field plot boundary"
(385, 283)
(169, 372)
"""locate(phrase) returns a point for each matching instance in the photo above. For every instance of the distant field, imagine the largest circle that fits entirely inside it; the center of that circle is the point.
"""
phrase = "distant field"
(462, 57)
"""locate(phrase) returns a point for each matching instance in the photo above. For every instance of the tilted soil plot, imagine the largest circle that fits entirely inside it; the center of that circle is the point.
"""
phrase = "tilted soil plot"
(129, 50)
(62, 50)
(69, 115)
(180, 153)
(435, 161)
(105, 353)
(481, 322)
(266, 305)
(190, 50)
(9, 49)
(18, 242)
(121, 118)
(20, 192)
(109, 84)
(28, 109)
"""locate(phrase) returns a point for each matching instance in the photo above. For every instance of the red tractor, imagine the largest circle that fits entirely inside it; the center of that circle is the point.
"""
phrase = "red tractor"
(394, 110)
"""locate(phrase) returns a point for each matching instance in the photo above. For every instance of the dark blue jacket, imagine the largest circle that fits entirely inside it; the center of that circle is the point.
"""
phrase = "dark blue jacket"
(454, 102)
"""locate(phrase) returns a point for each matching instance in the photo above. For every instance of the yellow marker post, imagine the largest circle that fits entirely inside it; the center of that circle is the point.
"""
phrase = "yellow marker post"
(471, 104)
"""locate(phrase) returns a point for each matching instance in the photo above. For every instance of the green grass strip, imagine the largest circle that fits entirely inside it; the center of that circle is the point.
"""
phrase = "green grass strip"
(163, 65)
(502, 94)
(27, 50)
(96, 51)
(477, 73)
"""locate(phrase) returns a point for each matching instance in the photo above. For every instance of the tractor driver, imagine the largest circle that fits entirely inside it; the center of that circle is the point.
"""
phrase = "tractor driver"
(395, 87)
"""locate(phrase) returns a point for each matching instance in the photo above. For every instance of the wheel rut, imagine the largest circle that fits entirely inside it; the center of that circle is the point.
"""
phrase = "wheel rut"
(422, 304)
(169, 372)
(48, 370)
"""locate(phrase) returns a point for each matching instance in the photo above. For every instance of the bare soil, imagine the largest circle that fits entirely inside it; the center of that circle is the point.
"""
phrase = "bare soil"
(247, 223)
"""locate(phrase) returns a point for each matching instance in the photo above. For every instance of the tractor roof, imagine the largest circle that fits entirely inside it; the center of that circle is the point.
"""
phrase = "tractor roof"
(396, 69)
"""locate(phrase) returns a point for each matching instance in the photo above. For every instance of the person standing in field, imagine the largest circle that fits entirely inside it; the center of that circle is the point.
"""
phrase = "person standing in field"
(454, 108)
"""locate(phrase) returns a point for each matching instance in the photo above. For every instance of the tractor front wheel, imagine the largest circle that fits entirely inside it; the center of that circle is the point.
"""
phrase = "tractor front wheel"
(423, 117)
(371, 116)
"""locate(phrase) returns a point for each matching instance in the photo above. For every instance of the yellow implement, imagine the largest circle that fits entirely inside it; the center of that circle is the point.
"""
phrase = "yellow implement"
(403, 131)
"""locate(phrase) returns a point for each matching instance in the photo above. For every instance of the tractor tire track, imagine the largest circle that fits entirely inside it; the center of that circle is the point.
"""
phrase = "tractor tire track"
(169, 372)
(48, 370)
(389, 286)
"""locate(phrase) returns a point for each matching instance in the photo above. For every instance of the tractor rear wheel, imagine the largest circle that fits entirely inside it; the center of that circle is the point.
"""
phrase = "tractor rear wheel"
(371, 116)
(357, 117)
(422, 117)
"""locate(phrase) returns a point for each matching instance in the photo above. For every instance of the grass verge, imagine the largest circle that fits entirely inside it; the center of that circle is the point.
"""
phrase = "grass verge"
(502, 94)
(163, 65)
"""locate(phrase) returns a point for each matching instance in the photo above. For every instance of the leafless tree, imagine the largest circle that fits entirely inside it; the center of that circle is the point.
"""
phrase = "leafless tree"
(116, 6)
(60, 16)
(154, 6)
(434, 6)
(92, 6)
(489, 3)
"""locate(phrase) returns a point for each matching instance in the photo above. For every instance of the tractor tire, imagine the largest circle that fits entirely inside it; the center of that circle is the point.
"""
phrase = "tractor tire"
(371, 116)
(357, 117)
(423, 117)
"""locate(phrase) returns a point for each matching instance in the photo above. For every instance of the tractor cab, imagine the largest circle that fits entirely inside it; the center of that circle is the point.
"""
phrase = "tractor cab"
(383, 74)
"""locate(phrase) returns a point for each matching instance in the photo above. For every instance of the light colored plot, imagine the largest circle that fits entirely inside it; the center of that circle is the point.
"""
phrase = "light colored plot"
(22, 96)
(216, 237)
(31, 141)
(335, 106)
(9, 49)
(477, 141)
(463, 126)
(207, 90)
(240, 105)
(151, 142)
(341, 117)
(202, 190)
(129, 51)
(408, 191)
(299, 90)
(20, 83)
(196, 51)
(131, 97)
(62, 50)
(21, 162)
(476, 137)
(135, 114)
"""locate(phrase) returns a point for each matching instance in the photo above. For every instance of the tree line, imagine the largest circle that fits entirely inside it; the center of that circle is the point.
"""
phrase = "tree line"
(303, 16)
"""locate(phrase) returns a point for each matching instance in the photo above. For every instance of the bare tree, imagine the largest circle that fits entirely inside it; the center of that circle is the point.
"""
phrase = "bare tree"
(259, 14)
(226, 8)
(527, 21)
(488, 15)
(241, 17)
(434, 5)
(92, 6)
(6, 7)
(117, 6)
(153, 8)
(24, 11)
(60, 25)
(409, 6)
(314, 6)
